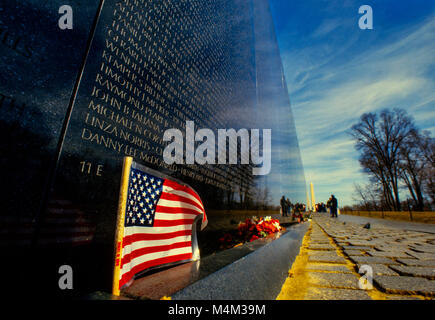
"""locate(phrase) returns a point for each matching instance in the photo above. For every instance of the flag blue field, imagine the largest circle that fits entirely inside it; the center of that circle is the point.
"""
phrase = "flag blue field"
(159, 219)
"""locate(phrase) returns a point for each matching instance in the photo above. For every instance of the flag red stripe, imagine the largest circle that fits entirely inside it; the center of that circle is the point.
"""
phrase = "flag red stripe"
(152, 263)
(178, 186)
(142, 251)
(176, 197)
(154, 236)
(172, 223)
(165, 209)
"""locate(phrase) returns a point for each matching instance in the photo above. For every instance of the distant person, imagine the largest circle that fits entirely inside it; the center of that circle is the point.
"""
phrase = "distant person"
(297, 214)
(323, 207)
(328, 205)
(334, 206)
(283, 203)
(289, 207)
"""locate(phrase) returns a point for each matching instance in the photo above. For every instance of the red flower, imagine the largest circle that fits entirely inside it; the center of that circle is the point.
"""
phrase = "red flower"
(226, 238)
(250, 230)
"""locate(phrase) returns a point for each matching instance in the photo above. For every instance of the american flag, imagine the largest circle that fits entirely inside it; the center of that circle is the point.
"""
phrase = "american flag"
(159, 218)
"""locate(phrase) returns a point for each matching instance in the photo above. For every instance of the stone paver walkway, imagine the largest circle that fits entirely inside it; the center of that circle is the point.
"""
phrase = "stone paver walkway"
(392, 224)
(402, 263)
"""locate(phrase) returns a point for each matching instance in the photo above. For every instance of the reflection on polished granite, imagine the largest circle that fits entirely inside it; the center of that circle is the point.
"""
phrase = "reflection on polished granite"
(256, 276)
(155, 285)
(125, 74)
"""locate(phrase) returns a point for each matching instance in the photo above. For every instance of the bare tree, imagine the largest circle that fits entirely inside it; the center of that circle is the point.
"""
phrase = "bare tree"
(427, 146)
(379, 139)
(367, 195)
(413, 165)
(377, 177)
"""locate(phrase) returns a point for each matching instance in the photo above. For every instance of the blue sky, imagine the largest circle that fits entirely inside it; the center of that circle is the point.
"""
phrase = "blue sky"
(335, 72)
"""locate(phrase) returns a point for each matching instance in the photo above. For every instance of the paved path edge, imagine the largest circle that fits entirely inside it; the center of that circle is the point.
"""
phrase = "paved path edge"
(257, 276)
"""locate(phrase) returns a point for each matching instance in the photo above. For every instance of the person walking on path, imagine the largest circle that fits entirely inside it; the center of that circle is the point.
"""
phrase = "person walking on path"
(283, 203)
(329, 206)
(297, 214)
(334, 206)
(289, 207)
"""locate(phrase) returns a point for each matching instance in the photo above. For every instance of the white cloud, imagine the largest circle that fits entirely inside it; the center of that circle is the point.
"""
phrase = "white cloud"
(326, 27)
(328, 96)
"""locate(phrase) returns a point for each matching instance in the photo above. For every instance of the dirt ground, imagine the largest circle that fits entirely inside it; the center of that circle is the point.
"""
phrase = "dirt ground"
(416, 216)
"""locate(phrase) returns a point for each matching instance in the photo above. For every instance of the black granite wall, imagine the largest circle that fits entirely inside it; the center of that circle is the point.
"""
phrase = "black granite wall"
(74, 102)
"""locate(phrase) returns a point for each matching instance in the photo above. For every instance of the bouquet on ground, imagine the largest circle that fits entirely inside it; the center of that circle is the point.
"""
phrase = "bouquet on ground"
(250, 230)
